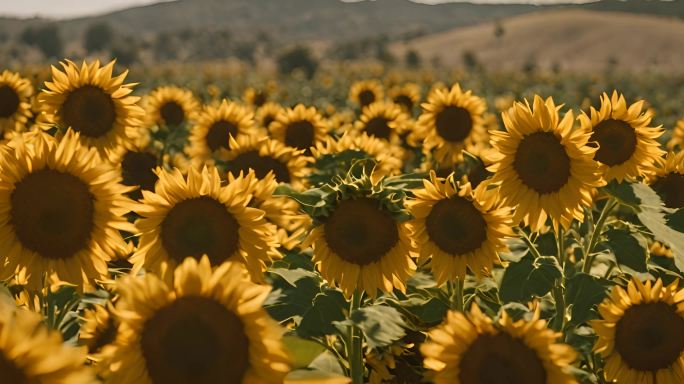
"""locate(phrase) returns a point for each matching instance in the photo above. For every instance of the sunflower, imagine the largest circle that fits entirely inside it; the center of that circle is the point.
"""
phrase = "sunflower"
(170, 105)
(640, 333)
(452, 120)
(360, 245)
(98, 333)
(383, 120)
(32, 353)
(659, 249)
(93, 103)
(263, 155)
(208, 327)
(255, 97)
(267, 113)
(471, 348)
(366, 92)
(677, 138)
(282, 212)
(299, 127)
(137, 170)
(215, 124)
(62, 209)
(457, 227)
(627, 146)
(544, 166)
(386, 155)
(194, 216)
(407, 96)
(15, 102)
(668, 180)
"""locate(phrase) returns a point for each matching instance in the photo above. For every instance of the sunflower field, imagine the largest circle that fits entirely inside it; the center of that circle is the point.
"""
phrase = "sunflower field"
(202, 225)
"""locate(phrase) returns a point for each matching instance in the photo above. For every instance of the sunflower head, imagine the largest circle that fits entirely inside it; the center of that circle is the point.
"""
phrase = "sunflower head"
(668, 180)
(32, 353)
(472, 348)
(15, 102)
(256, 97)
(406, 95)
(299, 127)
(366, 92)
(627, 145)
(187, 217)
(208, 327)
(640, 333)
(94, 103)
(456, 228)
(210, 136)
(452, 120)
(267, 113)
(360, 239)
(170, 106)
(677, 139)
(74, 231)
(544, 166)
(383, 120)
(98, 332)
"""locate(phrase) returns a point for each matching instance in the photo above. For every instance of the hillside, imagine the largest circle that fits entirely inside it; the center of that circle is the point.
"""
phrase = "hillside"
(571, 39)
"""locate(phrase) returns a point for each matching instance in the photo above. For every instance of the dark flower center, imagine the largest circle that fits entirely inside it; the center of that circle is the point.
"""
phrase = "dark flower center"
(378, 127)
(542, 163)
(9, 101)
(195, 340)
(456, 226)
(617, 142)
(404, 101)
(172, 113)
(360, 232)
(300, 134)
(261, 165)
(136, 170)
(52, 213)
(10, 373)
(217, 136)
(200, 226)
(103, 337)
(366, 97)
(90, 111)
(453, 123)
(501, 359)
(650, 336)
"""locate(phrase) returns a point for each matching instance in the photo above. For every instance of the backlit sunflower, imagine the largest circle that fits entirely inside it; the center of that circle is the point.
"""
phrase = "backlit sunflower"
(215, 124)
(170, 106)
(641, 333)
(98, 333)
(677, 139)
(668, 180)
(456, 228)
(386, 155)
(361, 246)
(267, 113)
(627, 146)
(263, 155)
(92, 102)
(299, 127)
(208, 327)
(471, 348)
(255, 97)
(366, 92)
(452, 120)
(383, 120)
(406, 95)
(32, 353)
(283, 212)
(63, 208)
(544, 166)
(15, 102)
(195, 215)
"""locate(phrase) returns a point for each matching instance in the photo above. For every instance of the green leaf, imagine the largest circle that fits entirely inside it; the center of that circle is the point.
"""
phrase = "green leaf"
(430, 311)
(542, 278)
(583, 292)
(292, 276)
(302, 352)
(328, 307)
(285, 303)
(381, 325)
(676, 220)
(515, 310)
(629, 248)
(319, 377)
(513, 281)
(327, 362)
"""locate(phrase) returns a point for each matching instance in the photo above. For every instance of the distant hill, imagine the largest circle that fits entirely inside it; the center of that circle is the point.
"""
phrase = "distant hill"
(573, 39)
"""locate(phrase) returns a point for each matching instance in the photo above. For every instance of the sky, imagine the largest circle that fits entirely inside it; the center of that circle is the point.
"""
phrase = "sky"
(76, 8)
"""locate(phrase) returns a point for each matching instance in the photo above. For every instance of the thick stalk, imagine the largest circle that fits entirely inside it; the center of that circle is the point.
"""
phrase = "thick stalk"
(356, 353)
(596, 234)
(457, 299)
(559, 291)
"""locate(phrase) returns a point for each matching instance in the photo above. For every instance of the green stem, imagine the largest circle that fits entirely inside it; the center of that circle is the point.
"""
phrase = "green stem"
(596, 234)
(457, 299)
(559, 291)
(356, 353)
(529, 243)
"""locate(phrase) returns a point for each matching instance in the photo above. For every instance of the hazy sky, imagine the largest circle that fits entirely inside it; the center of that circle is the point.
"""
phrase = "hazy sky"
(75, 8)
